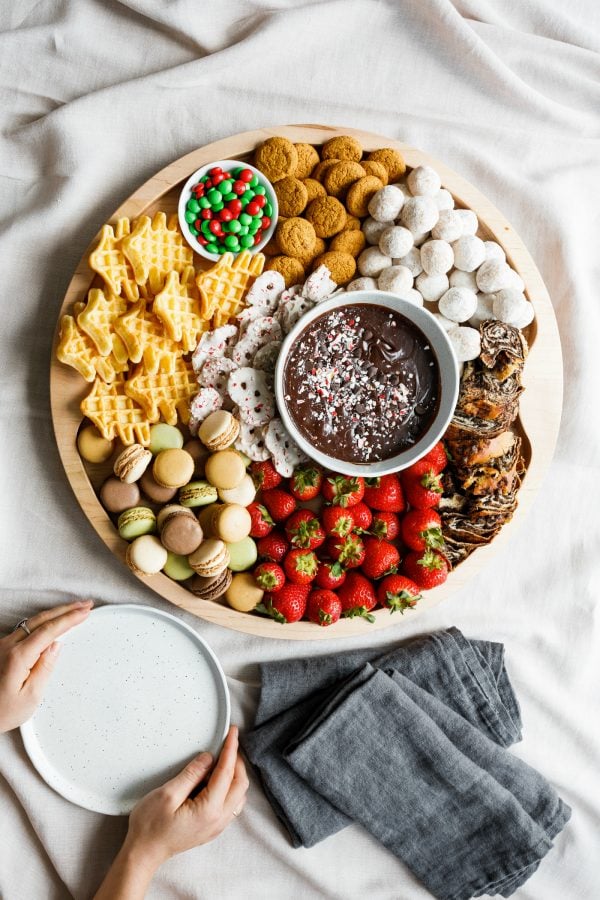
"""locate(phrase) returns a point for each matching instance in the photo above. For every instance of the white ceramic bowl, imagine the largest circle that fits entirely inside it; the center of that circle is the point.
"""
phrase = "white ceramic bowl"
(186, 193)
(449, 382)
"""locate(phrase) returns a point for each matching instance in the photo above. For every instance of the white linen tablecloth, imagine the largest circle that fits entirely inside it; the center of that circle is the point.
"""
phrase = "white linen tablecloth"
(96, 95)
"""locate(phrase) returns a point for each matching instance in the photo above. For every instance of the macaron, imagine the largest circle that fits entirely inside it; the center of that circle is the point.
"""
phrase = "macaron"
(177, 567)
(198, 493)
(173, 468)
(219, 430)
(211, 588)
(205, 517)
(92, 446)
(242, 554)
(199, 454)
(131, 464)
(243, 593)
(231, 522)
(181, 534)
(146, 555)
(225, 469)
(211, 558)
(116, 496)
(154, 491)
(136, 522)
(168, 510)
(243, 494)
(164, 437)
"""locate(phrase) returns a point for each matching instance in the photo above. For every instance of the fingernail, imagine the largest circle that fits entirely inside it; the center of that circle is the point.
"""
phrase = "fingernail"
(85, 603)
(205, 757)
(54, 649)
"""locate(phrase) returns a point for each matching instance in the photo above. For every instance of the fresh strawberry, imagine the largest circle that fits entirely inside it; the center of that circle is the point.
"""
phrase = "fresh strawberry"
(437, 458)
(357, 597)
(274, 546)
(362, 516)
(427, 569)
(265, 475)
(303, 529)
(385, 525)
(422, 528)
(301, 566)
(305, 483)
(398, 593)
(279, 503)
(384, 493)
(380, 557)
(422, 489)
(337, 521)
(285, 605)
(330, 575)
(349, 551)
(324, 607)
(269, 576)
(262, 523)
(343, 491)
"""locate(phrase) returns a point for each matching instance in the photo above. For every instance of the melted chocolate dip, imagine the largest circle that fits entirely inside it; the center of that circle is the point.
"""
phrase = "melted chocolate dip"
(361, 383)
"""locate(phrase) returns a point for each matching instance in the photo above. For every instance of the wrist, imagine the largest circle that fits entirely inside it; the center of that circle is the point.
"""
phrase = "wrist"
(141, 857)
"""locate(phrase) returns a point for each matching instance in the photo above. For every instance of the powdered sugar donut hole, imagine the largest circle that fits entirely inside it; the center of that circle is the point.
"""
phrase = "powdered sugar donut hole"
(470, 222)
(469, 253)
(511, 307)
(493, 275)
(458, 304)
(458, 278)
(372, 262)
(423, 181)
(396, 279)
(372, 229)
(396, 241)
(466, 342)
(448, 227)
(362, 284)
(412, 261)
(444, 199)
(437, 257)
(432, 286)
(484, 309)
(385, 204)
(419, 214)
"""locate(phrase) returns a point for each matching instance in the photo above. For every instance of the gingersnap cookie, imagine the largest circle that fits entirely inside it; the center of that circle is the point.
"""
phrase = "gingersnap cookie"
(271, 248)
(308, 258)
(292, 196)
(352, 223)
(342, 147)
(342, 266)
(291, 269)
(307, 160)
(352, 242)
(327, 215)
(372, 167)
(318, 173)
(276, 158)
(338, 178)
(314, 189)
(295, 236)
(391, 159)
(357, 198)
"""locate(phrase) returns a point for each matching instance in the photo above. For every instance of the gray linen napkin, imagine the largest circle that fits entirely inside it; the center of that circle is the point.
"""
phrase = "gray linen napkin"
(411, 746)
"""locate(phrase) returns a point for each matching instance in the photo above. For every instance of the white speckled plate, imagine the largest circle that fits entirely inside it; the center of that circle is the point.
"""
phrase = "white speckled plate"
(135, 695)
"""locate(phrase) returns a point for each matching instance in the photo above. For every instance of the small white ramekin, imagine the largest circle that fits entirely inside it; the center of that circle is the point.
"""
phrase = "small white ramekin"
(449, 382)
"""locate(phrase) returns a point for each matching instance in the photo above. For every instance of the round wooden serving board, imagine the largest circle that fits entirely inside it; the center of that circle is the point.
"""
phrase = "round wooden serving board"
(540, 404)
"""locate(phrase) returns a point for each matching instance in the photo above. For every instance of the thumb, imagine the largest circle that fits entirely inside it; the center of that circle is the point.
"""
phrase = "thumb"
(181, 786)
(41, 671)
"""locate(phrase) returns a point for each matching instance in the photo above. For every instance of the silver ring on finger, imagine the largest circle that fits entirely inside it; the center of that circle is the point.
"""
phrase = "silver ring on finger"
(22, 624)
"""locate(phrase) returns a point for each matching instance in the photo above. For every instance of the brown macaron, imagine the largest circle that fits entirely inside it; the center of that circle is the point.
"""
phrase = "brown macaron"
(181, 534)
(199, 454)
(116, 496)
(153, 491)
(213, 587)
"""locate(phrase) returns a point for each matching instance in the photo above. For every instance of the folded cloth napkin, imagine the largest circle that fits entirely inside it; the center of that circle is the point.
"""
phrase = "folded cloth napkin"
(412, 746)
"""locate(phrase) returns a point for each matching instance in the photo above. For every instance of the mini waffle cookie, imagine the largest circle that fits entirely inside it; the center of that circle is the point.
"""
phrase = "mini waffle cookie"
(145, 338)
(110, 263)
(222, 287)
(97, 319)
(163, 392)
(76, 349)
(178, 308)
(154, 248)
(115, 414)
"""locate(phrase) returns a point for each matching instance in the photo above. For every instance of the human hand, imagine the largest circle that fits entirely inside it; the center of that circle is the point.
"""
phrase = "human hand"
(167, 821)
(26, 661)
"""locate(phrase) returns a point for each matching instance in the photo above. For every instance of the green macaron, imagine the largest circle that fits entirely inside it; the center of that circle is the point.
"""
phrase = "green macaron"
(198, 493)
(177, 567)
(135, 522)
(164, 437)
(243, 554)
